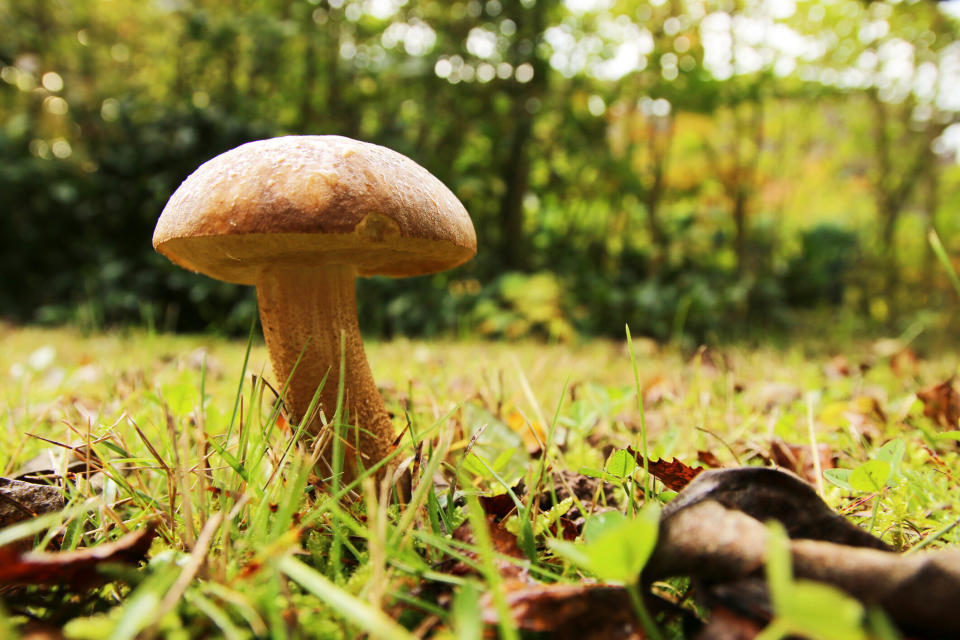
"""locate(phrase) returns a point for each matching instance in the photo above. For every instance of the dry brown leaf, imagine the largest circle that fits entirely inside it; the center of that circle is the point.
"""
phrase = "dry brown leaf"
(707, 540)
(773, 394)
(37, 630)
(497, 507)
(504, 543)
(531, 433)
(710, 459)
(941, 403)
(675, 474)
(837, 367)
(73, 570)
(658, 389)
(725, 624)
(21, 500)
(904, 363)
(797, 458)
(773, 494)
(575, 611)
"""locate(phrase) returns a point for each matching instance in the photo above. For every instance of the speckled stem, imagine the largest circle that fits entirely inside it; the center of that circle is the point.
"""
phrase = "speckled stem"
(301, 304)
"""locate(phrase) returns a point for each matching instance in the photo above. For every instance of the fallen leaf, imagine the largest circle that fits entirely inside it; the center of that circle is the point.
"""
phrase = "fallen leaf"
(726, 624)
(837, 367)
(576, 611)
(497, 507)
(504, 543)
(797, 458)
(888, 347)
(709, 458)
(37, 630)
(657, 390)
(941, 403)
(675, 475)
(532, 433)
(73, 570)
(772, 494)
(706, 540)
(24, 500)
(592, 493)
(904, 363)
(46, 466)
(566, 528)
(773, 394)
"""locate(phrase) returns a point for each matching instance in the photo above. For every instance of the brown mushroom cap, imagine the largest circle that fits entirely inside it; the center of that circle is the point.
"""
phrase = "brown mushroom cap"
(313, 200)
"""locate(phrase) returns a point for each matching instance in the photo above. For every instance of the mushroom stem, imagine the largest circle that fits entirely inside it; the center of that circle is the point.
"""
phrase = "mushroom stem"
(314, 307)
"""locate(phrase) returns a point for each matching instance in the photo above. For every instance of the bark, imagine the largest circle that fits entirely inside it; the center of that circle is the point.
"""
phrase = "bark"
(894, 186)
(660, 143)
(714, 531)
(739, 212)
(738, 174)
(516, 175)
(722, 545)
(515, 171)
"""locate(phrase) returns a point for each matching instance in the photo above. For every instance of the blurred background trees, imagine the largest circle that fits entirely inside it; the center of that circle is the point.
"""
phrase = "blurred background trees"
(699, 168)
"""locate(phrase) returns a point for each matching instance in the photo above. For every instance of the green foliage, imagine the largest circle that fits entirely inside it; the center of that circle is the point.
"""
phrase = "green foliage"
(615, 547)
(803, 607)
(145, 398)
(821, 271)
(620, 464)
(84, 227)
(523, 305)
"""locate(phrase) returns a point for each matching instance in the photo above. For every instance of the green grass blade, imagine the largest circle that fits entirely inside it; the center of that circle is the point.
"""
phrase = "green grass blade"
(643, 418)
(488, 567)
(354, 610)
(944, 259)
(218, 616)
(466, 613)
(35, 525)
(141, 606)
(243, 375)
(337, 460)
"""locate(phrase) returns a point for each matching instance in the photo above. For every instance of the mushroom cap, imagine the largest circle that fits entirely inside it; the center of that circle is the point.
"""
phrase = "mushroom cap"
(306, 201)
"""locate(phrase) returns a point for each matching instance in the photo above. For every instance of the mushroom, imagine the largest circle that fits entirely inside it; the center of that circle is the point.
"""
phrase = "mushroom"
(300, 217)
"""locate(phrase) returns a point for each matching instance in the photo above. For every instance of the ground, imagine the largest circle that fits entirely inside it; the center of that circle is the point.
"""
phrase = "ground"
(721, 406)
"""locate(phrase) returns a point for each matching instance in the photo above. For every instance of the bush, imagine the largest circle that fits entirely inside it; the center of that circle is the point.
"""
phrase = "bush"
(83, 225)
(820, 273)
(518, 305)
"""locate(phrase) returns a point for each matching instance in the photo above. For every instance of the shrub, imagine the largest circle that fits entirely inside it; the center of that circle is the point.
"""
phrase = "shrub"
(820, 273)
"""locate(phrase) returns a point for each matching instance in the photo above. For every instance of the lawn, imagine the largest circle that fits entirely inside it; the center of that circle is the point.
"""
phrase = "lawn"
(249, 542)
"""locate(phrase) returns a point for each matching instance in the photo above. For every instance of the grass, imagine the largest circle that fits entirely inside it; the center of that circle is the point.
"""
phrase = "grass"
(252, 544)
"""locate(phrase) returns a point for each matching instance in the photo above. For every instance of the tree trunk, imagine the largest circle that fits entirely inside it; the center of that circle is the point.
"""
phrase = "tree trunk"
(515, 174)
(740, 229)
(887, 209)
(660, 143)
(931, 203)
(652, 201)
(889, 216)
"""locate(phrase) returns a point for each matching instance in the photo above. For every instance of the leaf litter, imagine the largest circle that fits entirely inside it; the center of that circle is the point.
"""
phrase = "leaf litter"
(726, 577)
(73, 570)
